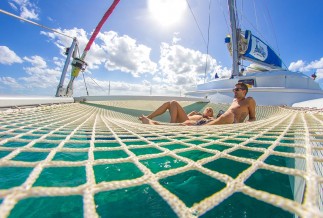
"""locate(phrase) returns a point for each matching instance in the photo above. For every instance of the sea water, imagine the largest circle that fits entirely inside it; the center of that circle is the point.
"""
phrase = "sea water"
(142, 200)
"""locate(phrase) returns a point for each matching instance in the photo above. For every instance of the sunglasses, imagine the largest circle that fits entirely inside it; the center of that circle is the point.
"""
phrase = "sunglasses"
(237, 89)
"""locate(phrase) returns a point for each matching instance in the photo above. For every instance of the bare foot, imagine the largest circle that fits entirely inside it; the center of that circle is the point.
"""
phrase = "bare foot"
(140, 118)
(145, 120)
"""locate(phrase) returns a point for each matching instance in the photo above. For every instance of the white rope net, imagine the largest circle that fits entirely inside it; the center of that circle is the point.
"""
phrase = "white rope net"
(97, 159)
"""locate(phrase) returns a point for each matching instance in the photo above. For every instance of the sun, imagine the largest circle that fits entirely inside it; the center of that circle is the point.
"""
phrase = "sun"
(167, 12)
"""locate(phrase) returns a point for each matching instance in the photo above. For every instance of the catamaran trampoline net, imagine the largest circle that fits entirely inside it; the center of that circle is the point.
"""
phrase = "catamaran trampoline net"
(96, 159)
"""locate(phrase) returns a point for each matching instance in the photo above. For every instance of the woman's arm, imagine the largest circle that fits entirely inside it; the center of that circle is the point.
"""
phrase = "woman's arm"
(194, 113)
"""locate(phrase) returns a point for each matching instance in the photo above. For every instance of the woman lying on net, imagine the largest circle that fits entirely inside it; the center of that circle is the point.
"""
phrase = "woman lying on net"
(240, 108)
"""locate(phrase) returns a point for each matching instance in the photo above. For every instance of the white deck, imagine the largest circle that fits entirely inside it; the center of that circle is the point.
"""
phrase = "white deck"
(18, 101)
(316, 103)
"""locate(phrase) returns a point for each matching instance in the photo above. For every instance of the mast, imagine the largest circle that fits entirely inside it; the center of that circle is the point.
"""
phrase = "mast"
(234, 38)
(60, 90)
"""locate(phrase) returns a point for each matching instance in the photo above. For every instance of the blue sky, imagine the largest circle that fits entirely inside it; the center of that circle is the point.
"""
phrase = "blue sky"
(148, 46)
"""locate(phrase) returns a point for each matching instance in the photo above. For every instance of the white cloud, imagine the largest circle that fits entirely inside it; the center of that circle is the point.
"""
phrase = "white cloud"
(8, 56)
(297, 66)
(9, 81)
(176, 38)
(179, 71)
(95, 57)
(116, 52)
(179, 68)
(28, 13)
(27, 9)
(36, 61)
(185, 67)
(59, 62)
(314, 66)
(124, 88)
(40, 78)
(13, 6)
(302, 66)
(39, 74)
(63, 42)
(319, 74)
(125, 54)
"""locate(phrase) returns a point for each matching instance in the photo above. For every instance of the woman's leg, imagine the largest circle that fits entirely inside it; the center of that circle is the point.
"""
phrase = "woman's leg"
(146, 120)
(177, 113)
(162, 109)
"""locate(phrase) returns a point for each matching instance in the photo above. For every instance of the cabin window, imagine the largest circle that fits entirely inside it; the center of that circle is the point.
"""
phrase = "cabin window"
(249, 82)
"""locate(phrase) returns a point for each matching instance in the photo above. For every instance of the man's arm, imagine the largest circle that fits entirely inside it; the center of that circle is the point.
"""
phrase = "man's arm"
(252, 109)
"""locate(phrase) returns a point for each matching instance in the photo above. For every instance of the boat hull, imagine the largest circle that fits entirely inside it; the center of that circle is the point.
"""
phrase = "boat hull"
(263, 96)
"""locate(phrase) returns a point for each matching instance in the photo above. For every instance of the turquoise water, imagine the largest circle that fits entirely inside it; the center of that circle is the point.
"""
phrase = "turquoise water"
(49, 207)
(31, 156)
(192, 186)
(142, 200)
(240, 205)
(227, 166)
(61, 177)
(13, 176)
(139, 201)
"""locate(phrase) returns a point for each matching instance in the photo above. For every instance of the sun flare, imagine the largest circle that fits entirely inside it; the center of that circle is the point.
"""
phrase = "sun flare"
(167, 12)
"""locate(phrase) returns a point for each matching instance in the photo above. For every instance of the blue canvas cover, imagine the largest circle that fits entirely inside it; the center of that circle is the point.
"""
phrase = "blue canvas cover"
(260, 52)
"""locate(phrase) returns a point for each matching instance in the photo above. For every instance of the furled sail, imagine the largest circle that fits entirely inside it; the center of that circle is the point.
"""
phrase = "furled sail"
(253, 49)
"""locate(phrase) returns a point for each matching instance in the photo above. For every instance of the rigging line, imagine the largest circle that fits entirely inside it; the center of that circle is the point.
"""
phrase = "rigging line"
(256, 29)
(198, 26)
(272, 27)
(97, 84)
(208, 41)
(254, 8)
(263, 38)
(34, 23)
(87, 92)
(224, 15)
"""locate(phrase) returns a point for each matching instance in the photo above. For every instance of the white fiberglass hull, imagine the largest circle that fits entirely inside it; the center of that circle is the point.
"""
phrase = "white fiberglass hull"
(17, 101)
(263, 96)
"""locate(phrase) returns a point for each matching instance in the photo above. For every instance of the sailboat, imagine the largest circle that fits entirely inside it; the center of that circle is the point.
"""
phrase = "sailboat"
(91, 157)
(269, 83)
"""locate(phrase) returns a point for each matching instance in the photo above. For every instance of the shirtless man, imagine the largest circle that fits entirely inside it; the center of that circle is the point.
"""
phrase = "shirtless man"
(240, 108)
(177, 114)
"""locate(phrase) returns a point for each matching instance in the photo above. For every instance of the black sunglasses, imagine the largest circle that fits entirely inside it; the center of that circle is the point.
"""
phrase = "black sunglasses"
(237, 89)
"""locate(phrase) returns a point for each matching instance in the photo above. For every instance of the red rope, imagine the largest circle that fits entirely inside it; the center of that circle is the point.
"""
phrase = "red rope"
(99, 26)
